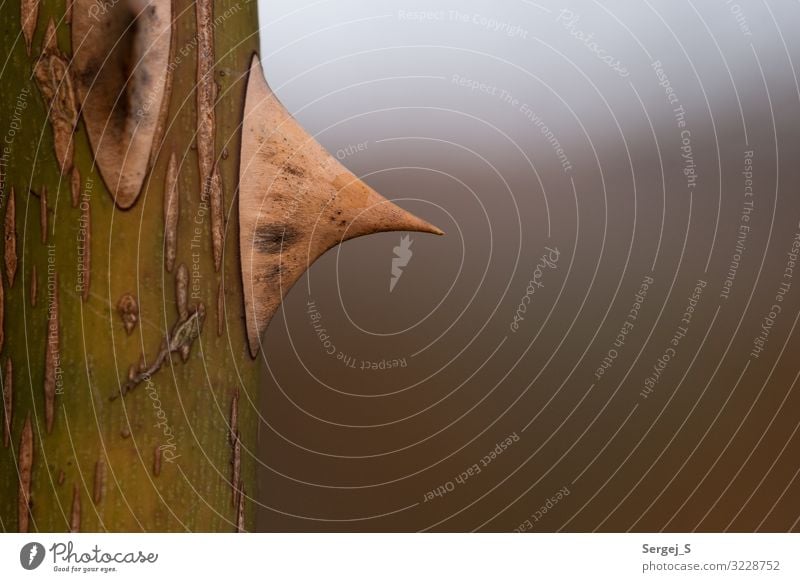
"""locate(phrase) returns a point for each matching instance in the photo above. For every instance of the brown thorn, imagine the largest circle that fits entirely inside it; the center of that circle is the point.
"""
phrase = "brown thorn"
(121, 55)
(296, 202)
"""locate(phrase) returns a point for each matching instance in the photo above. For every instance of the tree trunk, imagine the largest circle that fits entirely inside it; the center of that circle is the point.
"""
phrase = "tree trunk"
(141, 139)
(96, 297)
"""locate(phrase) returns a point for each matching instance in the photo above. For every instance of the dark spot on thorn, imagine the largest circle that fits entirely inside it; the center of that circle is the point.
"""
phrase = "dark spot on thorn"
(88, 75)
(294, 170)
(144, 78)
(274, 238)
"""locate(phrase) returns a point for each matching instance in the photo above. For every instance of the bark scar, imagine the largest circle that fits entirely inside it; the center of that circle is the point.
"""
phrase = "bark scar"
(240, 513)
(75, 514)
(55, 83)
(52, 365)
(75, 186)
(236, 451)
(157, 461)
(29, 16)
(2, 314)
(43, 214)
(128, 310)
(11, 238)
(8, 401)
(210, 180)
(25, 475)
(85, 259)
(220, 310)
(34, 292)
(99, 490)
(171, 213)
(182, 335)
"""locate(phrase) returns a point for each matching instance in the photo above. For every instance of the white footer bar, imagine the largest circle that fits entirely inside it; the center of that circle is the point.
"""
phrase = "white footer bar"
(401, 557)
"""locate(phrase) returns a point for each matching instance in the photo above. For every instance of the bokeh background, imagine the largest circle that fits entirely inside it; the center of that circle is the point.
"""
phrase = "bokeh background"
(583, 158)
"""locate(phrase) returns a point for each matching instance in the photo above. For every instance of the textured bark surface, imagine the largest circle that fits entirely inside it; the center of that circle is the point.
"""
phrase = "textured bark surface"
(132, 307)
(89, 300)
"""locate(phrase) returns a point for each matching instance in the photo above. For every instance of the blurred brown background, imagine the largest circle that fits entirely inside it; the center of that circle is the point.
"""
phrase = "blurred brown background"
(516, 126)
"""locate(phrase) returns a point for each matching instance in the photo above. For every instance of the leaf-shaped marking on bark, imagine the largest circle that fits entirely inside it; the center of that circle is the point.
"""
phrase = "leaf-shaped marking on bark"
(171, 213)
(25, 464)
(55, 83)
(8, 401)
(10, 237)
(52, 362)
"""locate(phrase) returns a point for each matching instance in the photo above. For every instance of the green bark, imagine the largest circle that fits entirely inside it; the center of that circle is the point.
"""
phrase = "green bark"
(186, 410)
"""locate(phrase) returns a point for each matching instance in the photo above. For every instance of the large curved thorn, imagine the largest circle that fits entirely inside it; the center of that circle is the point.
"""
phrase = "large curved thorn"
(296, 201)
